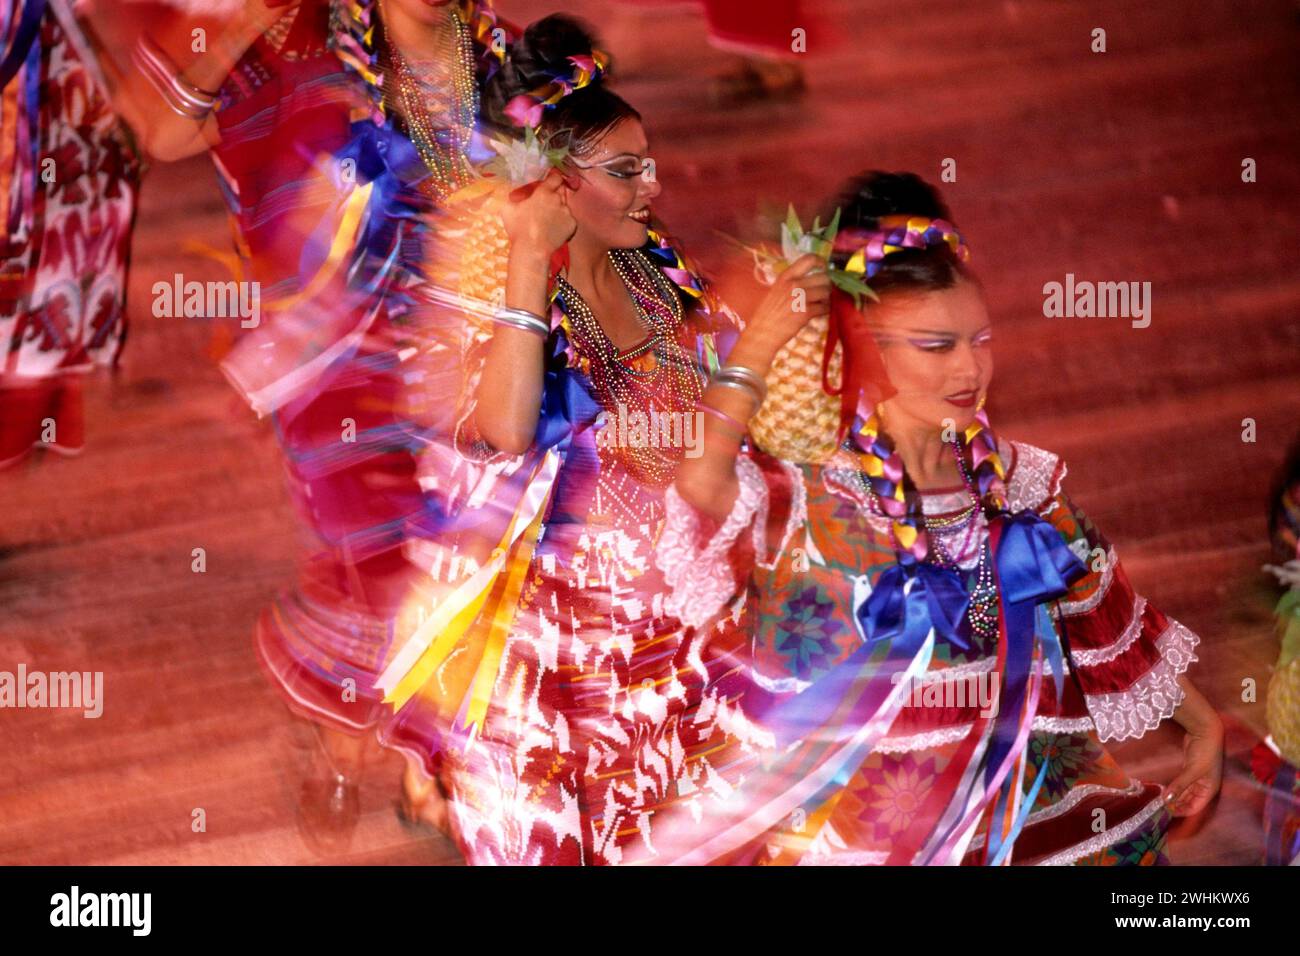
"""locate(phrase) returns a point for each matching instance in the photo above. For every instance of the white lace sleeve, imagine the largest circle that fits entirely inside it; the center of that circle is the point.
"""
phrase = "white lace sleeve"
(1151, 698)
(701, 580)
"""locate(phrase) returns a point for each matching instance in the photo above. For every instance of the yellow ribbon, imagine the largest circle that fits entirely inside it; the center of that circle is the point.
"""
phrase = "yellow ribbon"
(475, 618)
(343, 242)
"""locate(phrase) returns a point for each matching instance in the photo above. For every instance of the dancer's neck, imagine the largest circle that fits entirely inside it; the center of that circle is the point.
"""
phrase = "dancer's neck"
(926, 456)
(415, 39)
(590, 270)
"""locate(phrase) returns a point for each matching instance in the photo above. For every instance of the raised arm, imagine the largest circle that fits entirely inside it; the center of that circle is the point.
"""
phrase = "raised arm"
(708, 482)
(509, 395)
(165, 134)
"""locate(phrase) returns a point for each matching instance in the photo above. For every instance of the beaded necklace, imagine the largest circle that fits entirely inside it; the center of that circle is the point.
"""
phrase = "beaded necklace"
(982, 611)
(653, 377)
(442, 144)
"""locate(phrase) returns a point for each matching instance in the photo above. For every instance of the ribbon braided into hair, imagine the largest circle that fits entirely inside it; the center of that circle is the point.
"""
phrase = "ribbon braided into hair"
(899, 498)
(869, 247)
(879, 460)
(527, 109)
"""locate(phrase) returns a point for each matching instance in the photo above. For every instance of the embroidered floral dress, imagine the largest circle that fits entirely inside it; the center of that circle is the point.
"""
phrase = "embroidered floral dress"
(819, 547)
(605, 711)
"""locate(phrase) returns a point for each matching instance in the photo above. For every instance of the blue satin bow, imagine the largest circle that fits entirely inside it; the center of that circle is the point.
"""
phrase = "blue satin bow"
(895, 619)
(895, 613)
(391, 164)
(1033, 566)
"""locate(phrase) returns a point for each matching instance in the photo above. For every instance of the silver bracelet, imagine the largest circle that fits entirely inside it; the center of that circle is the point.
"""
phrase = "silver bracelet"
(743, 387)
(184, 99)
(523, 320)
(742, 376)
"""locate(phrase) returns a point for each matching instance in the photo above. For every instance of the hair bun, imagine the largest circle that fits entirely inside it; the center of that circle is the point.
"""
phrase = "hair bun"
(871, 196)
(543, 52)
(539, 56)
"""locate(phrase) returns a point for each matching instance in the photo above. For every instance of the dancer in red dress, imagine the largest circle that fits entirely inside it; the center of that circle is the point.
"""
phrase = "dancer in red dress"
(337, 128)
(943, 640)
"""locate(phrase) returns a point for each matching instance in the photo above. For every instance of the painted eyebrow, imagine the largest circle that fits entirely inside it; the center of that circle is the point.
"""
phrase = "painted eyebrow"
(612, 159)
(939, 334)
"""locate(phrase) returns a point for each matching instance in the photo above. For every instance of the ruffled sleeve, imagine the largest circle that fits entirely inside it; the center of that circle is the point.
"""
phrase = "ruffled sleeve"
(705, 563)
(1126, 654)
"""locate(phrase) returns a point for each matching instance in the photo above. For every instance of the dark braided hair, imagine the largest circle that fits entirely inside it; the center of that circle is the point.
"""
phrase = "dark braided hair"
(863, 203)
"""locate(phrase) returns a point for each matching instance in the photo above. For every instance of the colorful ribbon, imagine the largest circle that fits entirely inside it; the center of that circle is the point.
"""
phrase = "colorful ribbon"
(867, 248)
(527, 109)
(24, 37)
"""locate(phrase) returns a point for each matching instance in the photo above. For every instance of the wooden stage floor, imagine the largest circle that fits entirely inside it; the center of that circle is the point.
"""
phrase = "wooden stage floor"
(1117, 166)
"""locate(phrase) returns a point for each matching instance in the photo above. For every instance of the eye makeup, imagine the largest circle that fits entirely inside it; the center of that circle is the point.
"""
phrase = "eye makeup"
(930, 341)
(622, 166)
(935, 344)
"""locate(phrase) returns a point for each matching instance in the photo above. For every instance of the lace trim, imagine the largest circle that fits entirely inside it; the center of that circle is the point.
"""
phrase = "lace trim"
(1067, 803)
(947, 735)
(847, 858)
(944, 502)
(1073, 608)
(1153, 697)
(701, 581)
(843, 482)
(1092, 657)
(1106, 838)
(1077, 795)
(1035, 477)
(1063, 725)
(981, 666)
(923, 741)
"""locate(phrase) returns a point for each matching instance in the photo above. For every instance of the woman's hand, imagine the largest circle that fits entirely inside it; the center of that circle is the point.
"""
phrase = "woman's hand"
(782, 313)
(1195, 786)
(540, 222)
(1202, 772)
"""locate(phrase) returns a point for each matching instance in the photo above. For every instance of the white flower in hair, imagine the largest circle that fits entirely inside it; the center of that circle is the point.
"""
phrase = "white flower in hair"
(795, 243)
(523, 161)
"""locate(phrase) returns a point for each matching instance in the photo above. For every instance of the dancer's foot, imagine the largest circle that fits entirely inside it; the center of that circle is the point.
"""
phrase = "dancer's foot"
(423, 802)
(329, 804)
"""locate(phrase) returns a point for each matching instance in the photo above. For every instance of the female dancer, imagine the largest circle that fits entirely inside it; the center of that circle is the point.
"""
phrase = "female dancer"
(940, 664)
(596, 709)
(336, 129)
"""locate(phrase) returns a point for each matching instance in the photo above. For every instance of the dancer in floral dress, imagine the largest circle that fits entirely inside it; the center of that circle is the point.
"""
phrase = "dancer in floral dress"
(586, 710)
(944, 642)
